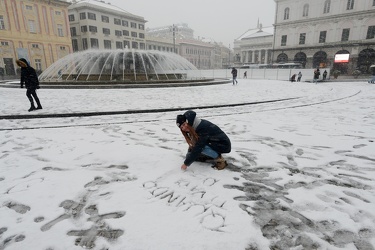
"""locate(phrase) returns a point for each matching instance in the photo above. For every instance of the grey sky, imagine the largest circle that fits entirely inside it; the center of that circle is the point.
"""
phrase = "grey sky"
(222, 21)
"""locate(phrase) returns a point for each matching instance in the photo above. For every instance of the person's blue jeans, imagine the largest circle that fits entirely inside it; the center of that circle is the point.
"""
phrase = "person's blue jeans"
(208, 151)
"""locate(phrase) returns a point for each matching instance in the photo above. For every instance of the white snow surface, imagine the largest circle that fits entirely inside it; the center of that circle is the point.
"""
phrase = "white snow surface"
(301, 173)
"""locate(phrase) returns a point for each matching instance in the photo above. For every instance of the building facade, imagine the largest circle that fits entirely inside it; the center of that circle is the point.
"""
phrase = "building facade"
(315, 32)
(100, 25)
(36, 30)
(254, 47)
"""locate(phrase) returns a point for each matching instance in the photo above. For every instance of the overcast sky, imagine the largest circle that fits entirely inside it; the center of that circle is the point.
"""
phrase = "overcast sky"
(223, 21)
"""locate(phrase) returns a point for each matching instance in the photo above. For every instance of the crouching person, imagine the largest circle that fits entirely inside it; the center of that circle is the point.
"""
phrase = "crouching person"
(206, 140)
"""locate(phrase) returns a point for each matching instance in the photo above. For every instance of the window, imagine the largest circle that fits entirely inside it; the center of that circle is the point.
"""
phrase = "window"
(283, 40)
(370, 32)
(373, 3)
(75, 45)
(91, 16)
(133, 25)
(93, 29)
(142, 46)
(106, 31)
(118, 45)
(302, 38)
(134, 45)
(286, 14)
(126, 44)
(4, 43)
(62, 48)
(2, 24)
(105, 19)
(134, 34)
(58, 13)
(84, 28)
(141, 35)
(350, 5)
(71, 18)
(305, 10)
(38, 64)
(84, 44)
(118, 32)
(327, 6)
(141, 26)
(73, 31)
(126, 23)
(117, 21)
(60, 31)
(322, 36)
(125, 32)
(32, 26)
(82, 15)
(345, 35)
(35, 46)
(107, 44)
(29, 7)
(94, 43)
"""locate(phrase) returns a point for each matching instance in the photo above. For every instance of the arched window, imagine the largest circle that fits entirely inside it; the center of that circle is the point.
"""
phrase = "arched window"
(350, 5)
(286, 14)
(327, 6)
(305, 10)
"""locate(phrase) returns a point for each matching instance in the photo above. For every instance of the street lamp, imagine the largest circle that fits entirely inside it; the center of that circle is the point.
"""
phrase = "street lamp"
(173, 28)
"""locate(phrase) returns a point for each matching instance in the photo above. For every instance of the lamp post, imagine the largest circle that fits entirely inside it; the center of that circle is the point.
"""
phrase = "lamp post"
(229, 57)
(174, 38)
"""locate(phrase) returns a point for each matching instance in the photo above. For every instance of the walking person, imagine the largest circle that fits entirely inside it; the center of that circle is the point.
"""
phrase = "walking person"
(206, 140)
(316, 75)
(29, 78)
(245, 74)
(325, 75)
(234, 74)
(299, 76)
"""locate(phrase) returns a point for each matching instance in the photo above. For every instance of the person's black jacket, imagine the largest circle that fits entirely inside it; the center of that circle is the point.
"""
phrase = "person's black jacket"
(29, 78)
(211, 135)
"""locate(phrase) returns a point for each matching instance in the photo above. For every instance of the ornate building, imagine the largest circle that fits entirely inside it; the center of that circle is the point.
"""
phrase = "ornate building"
(99, 25)
(254, 46)
(36, 30)
(315, 32)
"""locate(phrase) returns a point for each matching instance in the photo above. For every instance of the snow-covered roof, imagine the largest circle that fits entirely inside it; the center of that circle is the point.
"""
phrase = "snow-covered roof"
(258, 32)
(101, 5)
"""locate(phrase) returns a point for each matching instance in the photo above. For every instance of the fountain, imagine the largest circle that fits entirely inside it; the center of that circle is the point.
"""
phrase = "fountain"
(118, 66)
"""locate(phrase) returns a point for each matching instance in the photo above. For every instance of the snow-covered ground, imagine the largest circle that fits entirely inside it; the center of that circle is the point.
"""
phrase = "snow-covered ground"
(301, 173)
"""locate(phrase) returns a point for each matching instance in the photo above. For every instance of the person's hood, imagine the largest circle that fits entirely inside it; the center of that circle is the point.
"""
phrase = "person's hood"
(22, 62)
(192, 119)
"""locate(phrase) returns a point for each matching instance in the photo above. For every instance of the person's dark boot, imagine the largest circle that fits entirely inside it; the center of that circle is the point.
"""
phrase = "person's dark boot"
(39, 107)
(32, 108)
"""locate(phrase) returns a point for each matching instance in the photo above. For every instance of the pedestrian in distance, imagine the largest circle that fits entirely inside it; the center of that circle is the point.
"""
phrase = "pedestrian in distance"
(293, 78)
(316, 75)
(29, 78)
(245, 74)
(325, 75)
(234, 74)
(299, 76)
(206, 141)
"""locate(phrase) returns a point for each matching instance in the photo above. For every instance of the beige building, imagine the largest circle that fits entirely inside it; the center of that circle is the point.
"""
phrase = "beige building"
(37, 30)
(100, 25)
(315, 32)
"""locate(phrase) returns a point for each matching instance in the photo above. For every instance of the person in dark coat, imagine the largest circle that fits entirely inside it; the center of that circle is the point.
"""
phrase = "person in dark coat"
(316, 75)
(234, 74)
(206, 140)
(293, 78)
(29, 78)
(325, 75)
